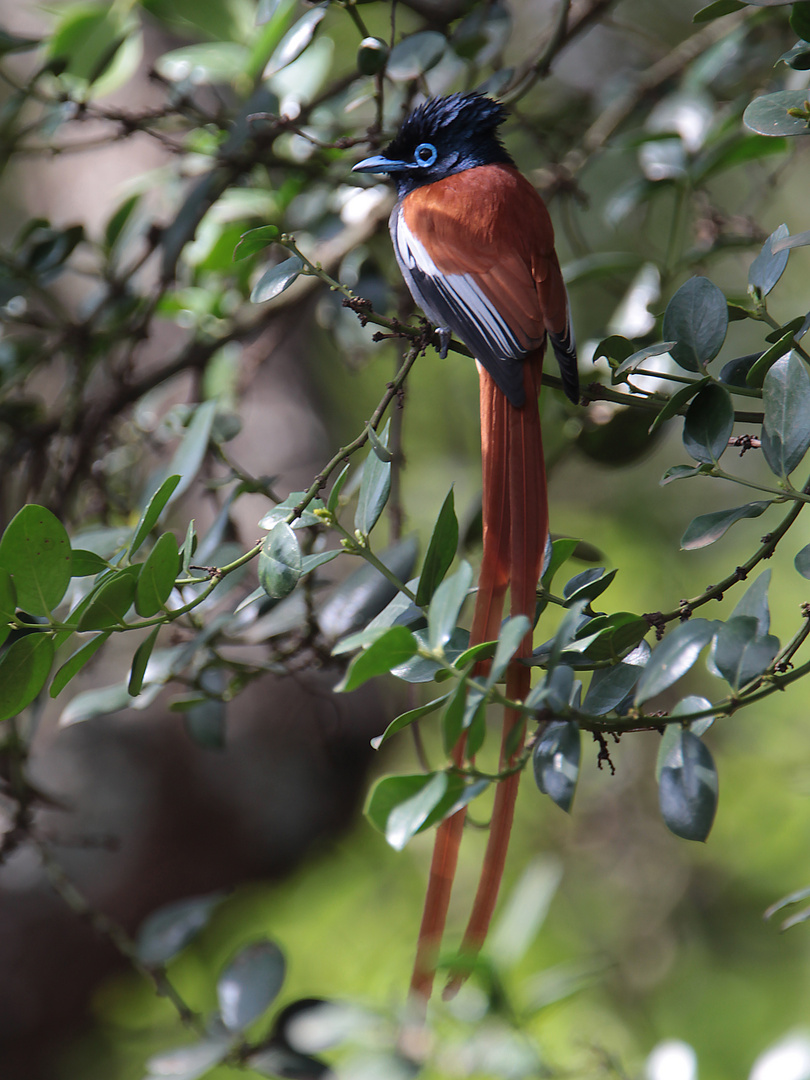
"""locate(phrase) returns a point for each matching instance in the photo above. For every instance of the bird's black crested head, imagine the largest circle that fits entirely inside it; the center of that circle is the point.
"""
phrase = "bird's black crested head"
(441, 137)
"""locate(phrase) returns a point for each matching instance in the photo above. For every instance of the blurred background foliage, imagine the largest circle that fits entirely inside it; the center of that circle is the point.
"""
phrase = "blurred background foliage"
(139, 142)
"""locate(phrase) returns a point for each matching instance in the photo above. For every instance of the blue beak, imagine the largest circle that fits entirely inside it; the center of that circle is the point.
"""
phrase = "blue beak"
(381, 164)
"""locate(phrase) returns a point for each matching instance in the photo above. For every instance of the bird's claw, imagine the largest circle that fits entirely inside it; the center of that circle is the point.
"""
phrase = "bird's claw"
(444, 334)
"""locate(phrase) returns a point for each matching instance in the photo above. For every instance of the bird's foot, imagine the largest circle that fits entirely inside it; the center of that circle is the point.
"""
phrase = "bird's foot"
(444, 334)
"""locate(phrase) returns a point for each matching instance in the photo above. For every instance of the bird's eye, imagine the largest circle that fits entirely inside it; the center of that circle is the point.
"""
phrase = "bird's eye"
(425, 154)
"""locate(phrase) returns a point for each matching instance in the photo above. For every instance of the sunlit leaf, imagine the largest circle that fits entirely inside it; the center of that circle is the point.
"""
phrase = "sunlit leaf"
(279, 564)
(768, 114)
(673, 657)
(276, 279)
(393, 648)
(250, 984)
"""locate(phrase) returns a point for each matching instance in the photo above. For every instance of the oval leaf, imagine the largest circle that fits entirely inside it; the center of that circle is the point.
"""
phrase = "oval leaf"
(786, 427)
(279, 561)
(35, 550)
(295, 41)
(674, 657)
(276, 279)
(697, 319)
(415, 55)
(446, 604)
(707, 528)
(741, 653)
(708, 424)
(394, 647)
(157, 577)
(188, 1062)
(250, 984)
(768, 114)
(769, 265)
(74, 664)
(555, 760)
(8, 604)
(167, 931)
(687, 789)
(111, 603)
(153, 510)
(24, 669)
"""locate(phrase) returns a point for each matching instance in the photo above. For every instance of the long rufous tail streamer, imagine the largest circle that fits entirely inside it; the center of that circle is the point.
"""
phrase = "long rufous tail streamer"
(515, 525)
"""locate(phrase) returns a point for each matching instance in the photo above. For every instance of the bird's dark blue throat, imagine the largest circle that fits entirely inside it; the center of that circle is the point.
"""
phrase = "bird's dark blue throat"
(439, 138)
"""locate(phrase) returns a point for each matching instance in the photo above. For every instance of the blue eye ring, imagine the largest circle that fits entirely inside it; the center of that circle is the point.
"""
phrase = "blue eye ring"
(425, 155)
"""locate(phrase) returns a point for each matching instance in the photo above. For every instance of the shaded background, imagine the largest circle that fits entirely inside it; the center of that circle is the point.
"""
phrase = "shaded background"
(646, 938)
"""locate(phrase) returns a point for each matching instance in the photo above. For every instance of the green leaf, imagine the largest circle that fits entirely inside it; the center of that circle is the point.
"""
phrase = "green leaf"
(768, 267)
(677, 402)
(74, 664)
(167, 931)
(615, 348)
(800, 20)
(157, 577)
(754, 602)
(205, 724)
(611, 685)
(279, 565)
(189, 547)
(674, 657)
(140, 661)
(555, 760)
(337, 487)
(415, 55)
(375, 488)
(708, 424)
(687, 789)
(588, 585)
(189, 1062)
(741, 652)
(10, 43)
(35, 550)
(446, 604)
(738, 150)
(786, 427)
(755, 376)
(455, 714)
(281, 511)
(420, 669)
(295, 41)
(511, 636)
(372, 54)
(394, 647)
(716, 10)
(382, 452)
(802, 561)
(400, 806)
(407, 718)
(697, 319)
(276, 279)
(250, 984)
(637, 358)
(189, 455)
(111, 602)
(24, 670)
(92, 703)
(561, 552)
(87, 563)
(8, 603)
(440, 553)
(409, 816)
(672, 732)
(205, 63)
(154, 508)
(708, 528)
(768, 114)
(364, 595)
(312, 562)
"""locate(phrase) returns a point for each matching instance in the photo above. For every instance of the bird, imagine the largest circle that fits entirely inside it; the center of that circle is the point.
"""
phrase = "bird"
(475, 245)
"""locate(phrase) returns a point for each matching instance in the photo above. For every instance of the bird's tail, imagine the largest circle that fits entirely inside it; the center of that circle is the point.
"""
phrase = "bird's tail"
(515, 525)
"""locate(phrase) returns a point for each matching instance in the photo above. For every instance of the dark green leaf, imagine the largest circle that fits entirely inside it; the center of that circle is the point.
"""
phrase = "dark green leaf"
(800, 20)
(673, 657)
(741, 652)
(255, 240)
(707, 528)
(8, 603)
(337, 487)
(24, 670)
(407, 718)
(802, 561)
(35, 550)
(154, 508)
(10, 43)
(394, 647)
(139, 662)
(680, 472)
(716, 10)
(86, 563)
(415, 55)
(608, 637)
(735, 372)
(74, 664)
(364, 594)
(754, 602)
(250, 984)
(561, 552)
(637, 358)
(755, 376)
(281, 511)
(189, 455)
(167, 931)
(157, 577)
(372, 54)
(768, 267)
(382, 451)
(687, 791)
(440, 553)
(279, 561)
(786, 428)
(206, 724)
(111, 602)
(420, 669)
(375, 488)
(672, 732)
(768, 114)
(276, 279)
(677, 402)
(446, 604)
(511, 636)
(406, 818)
(708, 424)
(610, 686)
(454, 715)
(587, 585)
(555, 760)
(616, 349)
(738, 150)
(400, 806)
(295, 41)
(312, 562)
(798, 57)
(697, 319)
